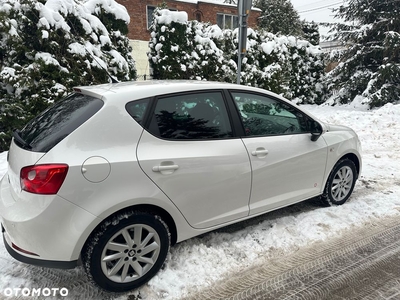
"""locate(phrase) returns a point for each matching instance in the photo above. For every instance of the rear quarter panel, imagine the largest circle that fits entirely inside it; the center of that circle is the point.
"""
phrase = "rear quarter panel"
(17, 159)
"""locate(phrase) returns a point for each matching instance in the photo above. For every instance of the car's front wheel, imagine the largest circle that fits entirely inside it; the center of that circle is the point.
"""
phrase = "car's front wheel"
(340, 183)
(127, 251)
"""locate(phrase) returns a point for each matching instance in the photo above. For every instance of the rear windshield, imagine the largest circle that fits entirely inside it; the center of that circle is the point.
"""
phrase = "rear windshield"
(50, 127)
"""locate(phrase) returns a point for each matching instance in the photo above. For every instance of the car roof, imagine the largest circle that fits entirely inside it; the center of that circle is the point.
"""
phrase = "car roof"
(123, 92)
(133, 90)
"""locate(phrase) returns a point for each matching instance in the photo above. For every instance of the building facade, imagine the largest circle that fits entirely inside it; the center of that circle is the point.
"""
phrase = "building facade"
(141, 12)
(225, 15)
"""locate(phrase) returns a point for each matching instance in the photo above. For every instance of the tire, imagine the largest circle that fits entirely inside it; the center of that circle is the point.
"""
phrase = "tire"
(340, 183)
(127, 251)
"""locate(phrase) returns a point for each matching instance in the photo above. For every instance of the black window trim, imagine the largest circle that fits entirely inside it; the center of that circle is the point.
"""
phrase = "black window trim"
(234, 117)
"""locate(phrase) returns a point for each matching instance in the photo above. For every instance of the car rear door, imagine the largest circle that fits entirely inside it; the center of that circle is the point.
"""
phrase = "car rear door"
(287, 166)
(189, 151)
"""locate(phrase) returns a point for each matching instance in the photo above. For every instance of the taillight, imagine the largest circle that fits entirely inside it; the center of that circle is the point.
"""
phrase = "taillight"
(43, 179)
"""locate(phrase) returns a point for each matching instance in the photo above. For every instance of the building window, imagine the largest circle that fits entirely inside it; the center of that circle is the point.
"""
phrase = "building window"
(225, 21)
(198, 16)
(149, 11)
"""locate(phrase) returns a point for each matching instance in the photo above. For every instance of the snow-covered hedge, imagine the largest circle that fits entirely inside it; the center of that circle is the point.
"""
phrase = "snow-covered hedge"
(181, 49)
(44, 52)
(285, 65)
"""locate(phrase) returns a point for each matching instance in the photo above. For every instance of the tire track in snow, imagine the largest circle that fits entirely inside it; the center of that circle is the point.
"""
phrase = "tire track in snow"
(362, 264)
(79, 287)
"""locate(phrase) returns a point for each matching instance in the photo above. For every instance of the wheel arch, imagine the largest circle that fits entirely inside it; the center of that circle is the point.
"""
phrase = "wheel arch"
(349, 160)
(354, 158)
(152, 209)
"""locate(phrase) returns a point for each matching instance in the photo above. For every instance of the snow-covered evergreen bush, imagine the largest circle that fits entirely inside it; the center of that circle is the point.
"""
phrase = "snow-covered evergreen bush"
(183, 50)
(191, 50)
(310, 32)
(370, 64)
(279, 17)
(285, 65)
(44, 52)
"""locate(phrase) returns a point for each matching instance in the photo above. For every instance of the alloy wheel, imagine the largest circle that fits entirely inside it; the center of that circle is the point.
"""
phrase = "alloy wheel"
(342, 183)
(130, 253)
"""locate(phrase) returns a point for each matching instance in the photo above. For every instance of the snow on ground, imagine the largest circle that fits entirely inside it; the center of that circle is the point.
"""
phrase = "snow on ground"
(194, 264)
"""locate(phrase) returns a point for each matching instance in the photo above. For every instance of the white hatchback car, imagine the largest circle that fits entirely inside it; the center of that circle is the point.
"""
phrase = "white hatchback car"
(114, 174)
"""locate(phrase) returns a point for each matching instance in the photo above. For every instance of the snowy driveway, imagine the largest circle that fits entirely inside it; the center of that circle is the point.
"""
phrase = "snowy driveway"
(363, 263)
(198, 263)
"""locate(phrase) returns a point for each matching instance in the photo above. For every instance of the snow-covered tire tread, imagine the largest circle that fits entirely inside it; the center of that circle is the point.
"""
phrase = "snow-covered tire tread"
(326, 196)
(111, 225)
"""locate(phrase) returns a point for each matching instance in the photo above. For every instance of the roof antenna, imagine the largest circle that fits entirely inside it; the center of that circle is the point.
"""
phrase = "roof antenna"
(113, 80)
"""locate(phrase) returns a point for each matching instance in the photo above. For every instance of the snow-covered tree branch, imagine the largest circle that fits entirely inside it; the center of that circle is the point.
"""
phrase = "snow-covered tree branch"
(370, 64)
(47, 47)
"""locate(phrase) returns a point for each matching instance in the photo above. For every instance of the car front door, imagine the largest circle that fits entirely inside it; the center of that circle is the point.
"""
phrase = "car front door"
(189, 152)
(287, 166)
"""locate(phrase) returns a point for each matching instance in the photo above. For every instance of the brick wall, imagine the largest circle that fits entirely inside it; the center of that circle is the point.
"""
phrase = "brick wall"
(206, 11)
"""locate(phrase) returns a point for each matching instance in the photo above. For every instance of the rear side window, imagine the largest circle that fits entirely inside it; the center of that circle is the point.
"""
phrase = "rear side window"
(137, 109)
(193, 116)
(50, 127)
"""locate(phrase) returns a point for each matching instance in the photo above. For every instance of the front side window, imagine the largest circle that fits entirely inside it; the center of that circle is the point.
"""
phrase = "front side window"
(262, 115)
(192, 116)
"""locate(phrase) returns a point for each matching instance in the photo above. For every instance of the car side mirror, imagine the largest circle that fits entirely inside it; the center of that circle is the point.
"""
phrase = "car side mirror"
(315, 136)
(316, 130)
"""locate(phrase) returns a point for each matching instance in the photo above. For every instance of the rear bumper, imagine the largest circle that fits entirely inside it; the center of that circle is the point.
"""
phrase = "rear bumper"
(37, 262)
(44, 230)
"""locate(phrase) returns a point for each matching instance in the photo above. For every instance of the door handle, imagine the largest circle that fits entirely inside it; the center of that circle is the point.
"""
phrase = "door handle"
(258, 152)
(165, 168)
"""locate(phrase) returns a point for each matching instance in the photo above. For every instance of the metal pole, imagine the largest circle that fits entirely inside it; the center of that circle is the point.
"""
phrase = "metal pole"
(239, 64)
(244, 7)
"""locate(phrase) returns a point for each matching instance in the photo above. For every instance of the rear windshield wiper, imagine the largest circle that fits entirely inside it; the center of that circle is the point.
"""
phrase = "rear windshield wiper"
(20, 140)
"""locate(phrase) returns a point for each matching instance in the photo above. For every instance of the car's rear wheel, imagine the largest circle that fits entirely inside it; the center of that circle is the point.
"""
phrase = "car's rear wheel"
(127, 251)
(340, 183)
